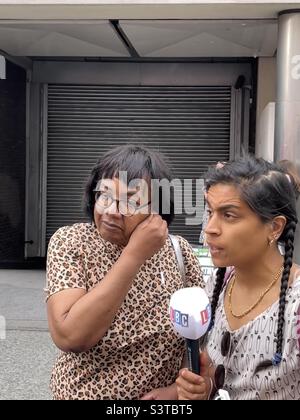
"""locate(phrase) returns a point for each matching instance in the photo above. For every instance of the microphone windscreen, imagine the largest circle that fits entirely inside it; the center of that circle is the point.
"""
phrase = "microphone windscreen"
(190, 312)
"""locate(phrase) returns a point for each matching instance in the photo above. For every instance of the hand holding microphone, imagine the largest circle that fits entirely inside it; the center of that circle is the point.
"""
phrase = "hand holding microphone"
(190, 314)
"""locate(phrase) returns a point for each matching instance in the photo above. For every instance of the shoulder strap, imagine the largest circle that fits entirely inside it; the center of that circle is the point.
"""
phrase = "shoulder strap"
(179, 256)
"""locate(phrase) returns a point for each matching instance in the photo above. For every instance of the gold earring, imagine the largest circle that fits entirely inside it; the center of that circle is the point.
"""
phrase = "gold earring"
(271, 241)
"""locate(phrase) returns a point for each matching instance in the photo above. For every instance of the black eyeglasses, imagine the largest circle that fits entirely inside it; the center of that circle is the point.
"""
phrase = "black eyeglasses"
(220, 370)
(125, 207)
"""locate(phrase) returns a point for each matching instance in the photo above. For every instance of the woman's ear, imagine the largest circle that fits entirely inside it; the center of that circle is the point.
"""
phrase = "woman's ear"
(277, 227)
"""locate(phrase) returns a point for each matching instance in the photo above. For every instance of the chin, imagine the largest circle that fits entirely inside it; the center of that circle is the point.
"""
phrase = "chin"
(220, 262)
(114, 239)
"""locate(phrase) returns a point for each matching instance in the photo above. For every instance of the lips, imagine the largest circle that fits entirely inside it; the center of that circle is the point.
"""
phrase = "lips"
(214, 249)
(111, 226)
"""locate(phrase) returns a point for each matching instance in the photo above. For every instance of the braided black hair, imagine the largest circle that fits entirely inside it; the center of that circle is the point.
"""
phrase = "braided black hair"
(288, 262)
(269, 193)
(216, 293)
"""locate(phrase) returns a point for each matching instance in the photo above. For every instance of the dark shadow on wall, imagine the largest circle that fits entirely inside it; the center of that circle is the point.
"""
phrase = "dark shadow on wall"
(12, 164)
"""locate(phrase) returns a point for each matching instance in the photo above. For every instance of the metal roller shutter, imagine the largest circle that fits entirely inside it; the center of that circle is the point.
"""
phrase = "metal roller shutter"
(190, 125)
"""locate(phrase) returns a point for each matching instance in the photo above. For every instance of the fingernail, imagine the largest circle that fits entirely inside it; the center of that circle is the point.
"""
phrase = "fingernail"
(183, 373)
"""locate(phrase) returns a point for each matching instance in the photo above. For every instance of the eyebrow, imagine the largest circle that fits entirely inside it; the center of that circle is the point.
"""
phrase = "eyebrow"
(226, 206)
(109, 190)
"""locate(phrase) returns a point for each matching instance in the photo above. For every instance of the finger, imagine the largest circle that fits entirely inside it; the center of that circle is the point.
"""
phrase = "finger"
(191, 387)
(166, 234)
(164, 227)
(147, 221)
(183, 395)
(191, 377)
(205, 363)
(157, 223)
(157, 218)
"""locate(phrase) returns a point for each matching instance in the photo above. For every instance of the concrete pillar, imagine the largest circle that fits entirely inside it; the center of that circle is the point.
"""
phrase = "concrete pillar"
(287, 115)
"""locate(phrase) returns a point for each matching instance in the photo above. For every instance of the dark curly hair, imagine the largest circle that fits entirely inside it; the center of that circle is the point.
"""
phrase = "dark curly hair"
(139, 163)
(269, 192)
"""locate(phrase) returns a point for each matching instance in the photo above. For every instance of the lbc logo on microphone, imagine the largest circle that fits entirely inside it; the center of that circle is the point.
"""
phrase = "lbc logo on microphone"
(182, 319)
(179, 318)
(205, 315)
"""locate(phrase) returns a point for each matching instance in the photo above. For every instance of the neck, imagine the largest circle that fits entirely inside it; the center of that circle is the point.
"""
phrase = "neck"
(259, 273)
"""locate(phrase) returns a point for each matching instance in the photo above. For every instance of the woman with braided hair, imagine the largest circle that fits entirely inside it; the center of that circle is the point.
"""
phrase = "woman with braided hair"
(252, 347)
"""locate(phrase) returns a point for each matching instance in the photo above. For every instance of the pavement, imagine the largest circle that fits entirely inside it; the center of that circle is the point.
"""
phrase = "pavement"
(27, 352)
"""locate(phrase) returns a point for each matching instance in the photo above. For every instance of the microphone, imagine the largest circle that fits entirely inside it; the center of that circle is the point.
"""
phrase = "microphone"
(190, 314)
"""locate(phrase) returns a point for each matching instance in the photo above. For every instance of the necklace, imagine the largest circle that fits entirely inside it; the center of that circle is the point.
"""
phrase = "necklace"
(261, 296)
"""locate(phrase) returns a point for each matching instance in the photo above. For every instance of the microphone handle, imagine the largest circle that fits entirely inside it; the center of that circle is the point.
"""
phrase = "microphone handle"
(193, 355)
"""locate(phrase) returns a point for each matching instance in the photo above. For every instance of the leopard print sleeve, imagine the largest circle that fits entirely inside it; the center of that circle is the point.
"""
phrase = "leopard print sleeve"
(193, 271)
(64, 261)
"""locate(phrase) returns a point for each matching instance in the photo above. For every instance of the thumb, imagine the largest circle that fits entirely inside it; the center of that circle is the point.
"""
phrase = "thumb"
(205, 363)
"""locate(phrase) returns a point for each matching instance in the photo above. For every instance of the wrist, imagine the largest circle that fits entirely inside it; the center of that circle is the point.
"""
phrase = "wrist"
(132, 258)
(173, 391)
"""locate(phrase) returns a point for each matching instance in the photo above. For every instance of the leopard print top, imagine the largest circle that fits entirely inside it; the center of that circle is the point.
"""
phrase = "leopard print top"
(140, 351)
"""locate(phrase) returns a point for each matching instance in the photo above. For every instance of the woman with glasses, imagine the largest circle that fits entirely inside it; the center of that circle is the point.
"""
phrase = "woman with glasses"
(252, 349)
(110, 282)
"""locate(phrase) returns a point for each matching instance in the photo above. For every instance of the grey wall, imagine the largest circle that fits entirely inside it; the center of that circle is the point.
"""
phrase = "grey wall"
(12, 163)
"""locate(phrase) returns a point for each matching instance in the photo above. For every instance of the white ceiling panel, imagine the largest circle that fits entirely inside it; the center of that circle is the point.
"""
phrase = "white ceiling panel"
(81, 39)
(151, 39)
(202, 38)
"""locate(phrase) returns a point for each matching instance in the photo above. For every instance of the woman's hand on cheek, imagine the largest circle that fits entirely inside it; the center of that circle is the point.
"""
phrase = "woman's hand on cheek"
(148, 238)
